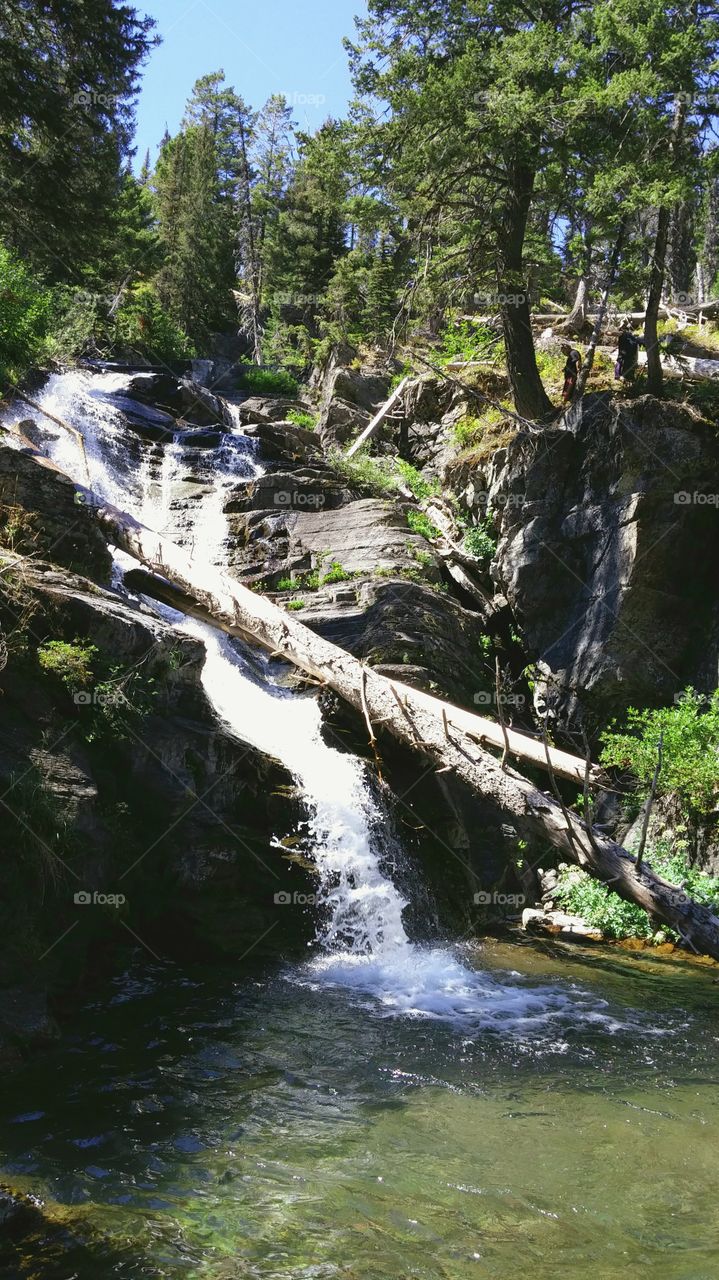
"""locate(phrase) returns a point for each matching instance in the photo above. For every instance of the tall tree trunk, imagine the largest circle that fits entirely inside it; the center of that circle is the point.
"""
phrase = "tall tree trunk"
(656, 278)
(530, 398)
(251, 250)
(601, 314)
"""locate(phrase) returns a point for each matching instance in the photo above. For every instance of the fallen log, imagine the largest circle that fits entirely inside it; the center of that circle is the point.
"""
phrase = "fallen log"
(415, 719)
(377, 421)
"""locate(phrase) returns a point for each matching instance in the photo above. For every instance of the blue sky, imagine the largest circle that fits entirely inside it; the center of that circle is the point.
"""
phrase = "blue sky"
(264, 46)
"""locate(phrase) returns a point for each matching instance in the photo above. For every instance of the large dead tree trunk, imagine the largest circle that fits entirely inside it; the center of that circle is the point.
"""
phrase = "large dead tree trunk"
(415, 719)
(435, 730)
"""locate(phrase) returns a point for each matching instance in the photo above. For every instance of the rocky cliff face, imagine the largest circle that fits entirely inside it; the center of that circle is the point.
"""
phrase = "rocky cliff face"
(608, 523)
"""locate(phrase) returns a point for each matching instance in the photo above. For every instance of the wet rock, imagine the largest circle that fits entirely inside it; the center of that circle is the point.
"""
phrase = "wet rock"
(557, 923)
(54, 524)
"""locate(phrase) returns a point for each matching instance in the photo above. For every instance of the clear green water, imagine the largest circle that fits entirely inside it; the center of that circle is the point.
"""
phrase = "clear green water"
(197, 1126)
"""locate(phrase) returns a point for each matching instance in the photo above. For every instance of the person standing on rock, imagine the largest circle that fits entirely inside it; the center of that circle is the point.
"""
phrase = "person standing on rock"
(571, 371)
(628, 353)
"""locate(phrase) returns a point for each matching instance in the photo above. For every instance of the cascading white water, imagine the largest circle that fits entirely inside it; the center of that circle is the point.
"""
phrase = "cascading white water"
(364, 944)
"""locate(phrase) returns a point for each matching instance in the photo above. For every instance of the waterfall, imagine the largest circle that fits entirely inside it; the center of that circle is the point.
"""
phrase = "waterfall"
(362, 942)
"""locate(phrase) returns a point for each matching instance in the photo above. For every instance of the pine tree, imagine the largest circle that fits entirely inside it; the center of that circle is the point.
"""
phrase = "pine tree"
(69, 73)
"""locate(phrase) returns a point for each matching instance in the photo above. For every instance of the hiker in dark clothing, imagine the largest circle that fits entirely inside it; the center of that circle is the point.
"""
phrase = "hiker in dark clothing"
(571, 371)
(628, 346)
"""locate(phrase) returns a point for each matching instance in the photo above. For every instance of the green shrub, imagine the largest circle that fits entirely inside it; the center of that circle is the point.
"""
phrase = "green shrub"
(302, 418)
(295, 604)
(416, 482)
(71, 663)
(466, 340)
(690, 749)
(479, 542)
(268, 381)
(421, 523)
(581, 895)
(24, 316)
(143, 326)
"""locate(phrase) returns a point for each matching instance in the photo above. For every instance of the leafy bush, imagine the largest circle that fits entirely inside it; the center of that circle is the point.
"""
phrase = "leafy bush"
(302, 418)
(690, 749)
(268, 381)
(581, 895)
(415, 480)
(71, 663)
(295, 605)
(421, 523)
(464, 340)
(364, 472)
(24, 313)
(479, 542)
(143, 326)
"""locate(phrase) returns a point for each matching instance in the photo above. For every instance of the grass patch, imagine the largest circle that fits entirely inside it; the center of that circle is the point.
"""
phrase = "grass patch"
(313, 580)
(295, 605)
(268, 382)
(421, 524)
(303, 418)
(381, 477)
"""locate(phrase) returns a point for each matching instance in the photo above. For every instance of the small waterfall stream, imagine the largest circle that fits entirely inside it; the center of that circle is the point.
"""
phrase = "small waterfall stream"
(362, 942)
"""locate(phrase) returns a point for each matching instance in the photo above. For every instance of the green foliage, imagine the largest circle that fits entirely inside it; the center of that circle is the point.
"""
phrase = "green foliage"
(690, 749)
(24, 310)
(421, 523)
(72, 663)
(108, 700)
(364, 472)
(69, 74)
(466, 340)
(144, 327)
(316, 578)
(419, 485)
(268, 382)
(295, 605)
(479, 542)
(580, 894)
(303, 418)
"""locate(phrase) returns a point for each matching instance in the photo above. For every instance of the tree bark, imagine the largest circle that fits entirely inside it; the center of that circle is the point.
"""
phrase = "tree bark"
(655, 378)
(530, 398)
(601, 314)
